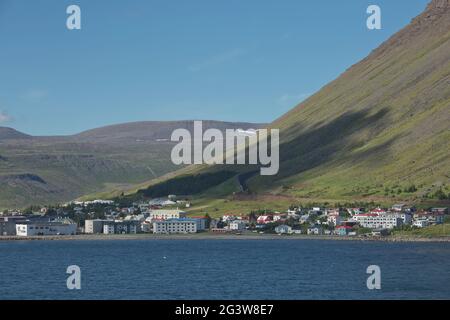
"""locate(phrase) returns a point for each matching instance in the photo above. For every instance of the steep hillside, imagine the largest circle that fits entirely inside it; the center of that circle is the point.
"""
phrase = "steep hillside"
(378, 132)
(383, 124)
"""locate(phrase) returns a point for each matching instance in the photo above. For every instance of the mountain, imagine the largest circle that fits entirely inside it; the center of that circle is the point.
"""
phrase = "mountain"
(151, 131)
(44, 170)
(380, 131)
(10, 134)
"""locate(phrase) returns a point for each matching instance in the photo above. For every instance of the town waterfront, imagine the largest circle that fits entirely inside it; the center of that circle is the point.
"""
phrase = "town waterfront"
(224, 269)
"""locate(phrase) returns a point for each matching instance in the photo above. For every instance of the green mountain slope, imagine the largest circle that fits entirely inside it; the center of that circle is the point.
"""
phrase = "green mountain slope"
(378, 132)
(382, 124)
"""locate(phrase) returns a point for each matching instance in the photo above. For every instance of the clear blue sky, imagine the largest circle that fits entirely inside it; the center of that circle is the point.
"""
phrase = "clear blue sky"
(234, 60)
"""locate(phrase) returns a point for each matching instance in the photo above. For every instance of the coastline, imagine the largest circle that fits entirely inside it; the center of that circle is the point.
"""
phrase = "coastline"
(212, 236)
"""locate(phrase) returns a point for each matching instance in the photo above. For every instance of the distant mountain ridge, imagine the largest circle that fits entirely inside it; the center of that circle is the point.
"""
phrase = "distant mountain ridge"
(52, 169)
(9, 133)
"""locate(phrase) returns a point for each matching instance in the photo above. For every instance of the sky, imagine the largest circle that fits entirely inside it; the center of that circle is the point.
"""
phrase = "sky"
(139, 60)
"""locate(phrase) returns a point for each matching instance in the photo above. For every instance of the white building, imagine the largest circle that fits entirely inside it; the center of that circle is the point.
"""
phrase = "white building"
(162, 214)
(421, 223)
(121, 227)
(175, 226)
(237, 225)
(316, 230)
(334, 219)
(374, 221)
(283, 229)
(26, 229)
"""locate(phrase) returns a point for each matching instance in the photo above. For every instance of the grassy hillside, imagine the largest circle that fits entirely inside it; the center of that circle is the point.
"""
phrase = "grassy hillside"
(383, 125)
(379, 132)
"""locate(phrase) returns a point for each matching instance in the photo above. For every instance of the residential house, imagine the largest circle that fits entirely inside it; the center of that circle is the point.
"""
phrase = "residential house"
(264, 219)
(161, 214)
(283, 229)
(421, 223)
(315, 230)
(237, 225)
(343, 230)
(399, 207)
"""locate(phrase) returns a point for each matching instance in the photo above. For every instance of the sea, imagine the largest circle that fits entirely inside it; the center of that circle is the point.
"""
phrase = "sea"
(232, 269)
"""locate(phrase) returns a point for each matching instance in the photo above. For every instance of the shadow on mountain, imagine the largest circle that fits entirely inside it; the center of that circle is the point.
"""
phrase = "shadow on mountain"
(328, 142)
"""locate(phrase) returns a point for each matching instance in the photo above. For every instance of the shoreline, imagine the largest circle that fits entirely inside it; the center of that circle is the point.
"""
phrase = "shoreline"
(211, 236)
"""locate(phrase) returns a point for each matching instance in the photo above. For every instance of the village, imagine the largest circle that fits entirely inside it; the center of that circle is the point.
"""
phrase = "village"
(163, 216)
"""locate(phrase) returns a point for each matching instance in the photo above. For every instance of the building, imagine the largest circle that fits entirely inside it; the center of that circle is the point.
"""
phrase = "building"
(432, 218)
(382, 221)
(8, 225)
(334, 219)
(378, 211)
(406, 217)
(317, 230)
(264, 219)
(399, 207)
(283, 229)
(440, 210)
(175, 226)
(161, 214)
(26, 229)
(237, 225)
(421, 223)
(121, 227)
(94, 226)
(343, 230)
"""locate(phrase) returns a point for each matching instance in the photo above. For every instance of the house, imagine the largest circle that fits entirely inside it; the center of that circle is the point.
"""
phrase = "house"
(283, 229)
(343, 230)
(228, 217)
(182, 225)
(399, 207)
(334, 219)
(294, 213)
(432, 218)
(378, 211)
(161, 214)
(304, 218)
(316, 230)
(264, 219)
(440, 210)
(332, 212)
(237, 225)
(353, 211)
(279, 217)
(421, 223)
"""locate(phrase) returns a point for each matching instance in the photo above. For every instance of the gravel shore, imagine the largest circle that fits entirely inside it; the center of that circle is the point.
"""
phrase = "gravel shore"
(212, 236)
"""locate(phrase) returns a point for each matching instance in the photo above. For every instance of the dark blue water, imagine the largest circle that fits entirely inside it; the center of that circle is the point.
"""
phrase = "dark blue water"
(224, 269)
